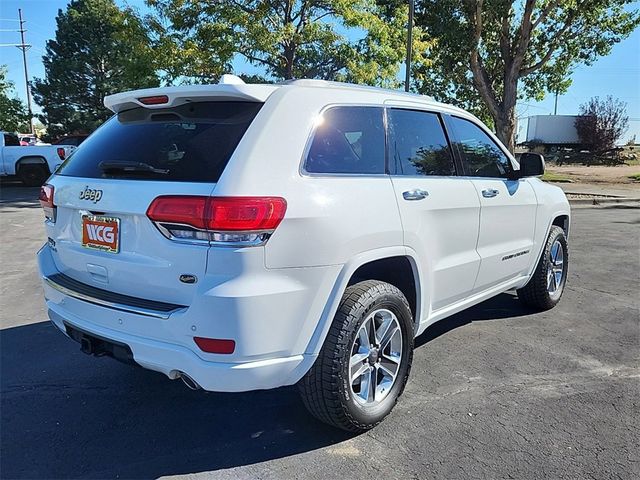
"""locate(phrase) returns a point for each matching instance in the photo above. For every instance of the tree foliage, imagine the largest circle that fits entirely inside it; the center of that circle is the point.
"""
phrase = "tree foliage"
(99, 49)
(13, 113)
(490, 53)
(602, 123)
(351, 40)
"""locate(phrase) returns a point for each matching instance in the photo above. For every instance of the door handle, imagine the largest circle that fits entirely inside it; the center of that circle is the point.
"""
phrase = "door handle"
(490, 192)
(415, 194)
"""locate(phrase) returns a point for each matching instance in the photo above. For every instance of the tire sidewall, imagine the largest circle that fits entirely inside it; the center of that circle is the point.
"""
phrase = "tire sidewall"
(368, 415)
(557, 235)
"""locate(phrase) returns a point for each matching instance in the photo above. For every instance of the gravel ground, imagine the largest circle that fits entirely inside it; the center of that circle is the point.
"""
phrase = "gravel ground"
(495, 392)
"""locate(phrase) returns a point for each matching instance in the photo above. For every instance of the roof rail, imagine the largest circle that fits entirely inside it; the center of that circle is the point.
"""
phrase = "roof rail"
(311, 82)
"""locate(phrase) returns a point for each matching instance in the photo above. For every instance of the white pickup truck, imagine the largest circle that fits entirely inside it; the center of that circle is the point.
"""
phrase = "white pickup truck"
(32, 165)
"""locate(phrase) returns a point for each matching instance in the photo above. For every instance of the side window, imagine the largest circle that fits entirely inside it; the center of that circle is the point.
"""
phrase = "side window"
(417, 144)
(480, 154)
(348, 140)
(11, 140)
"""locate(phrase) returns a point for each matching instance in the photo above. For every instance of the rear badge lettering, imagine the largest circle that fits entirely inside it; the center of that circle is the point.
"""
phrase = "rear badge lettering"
(91, 194)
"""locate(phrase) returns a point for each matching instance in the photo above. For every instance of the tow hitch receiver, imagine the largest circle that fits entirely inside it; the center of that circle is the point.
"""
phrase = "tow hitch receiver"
(100, 347)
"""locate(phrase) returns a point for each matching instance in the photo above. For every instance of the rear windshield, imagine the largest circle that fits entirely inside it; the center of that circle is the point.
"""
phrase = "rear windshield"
(189, 143)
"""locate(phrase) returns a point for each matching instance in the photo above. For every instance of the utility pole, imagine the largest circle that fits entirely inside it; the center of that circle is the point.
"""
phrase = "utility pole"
(555, 108)
(407, 77)
(23, 46)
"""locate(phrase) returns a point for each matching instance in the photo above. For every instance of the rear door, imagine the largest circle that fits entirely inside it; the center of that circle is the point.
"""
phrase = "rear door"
(508, 206)
(102, 235)
(439, 210)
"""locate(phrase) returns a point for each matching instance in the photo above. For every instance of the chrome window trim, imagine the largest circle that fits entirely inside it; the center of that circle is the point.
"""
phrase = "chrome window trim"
(385, 107)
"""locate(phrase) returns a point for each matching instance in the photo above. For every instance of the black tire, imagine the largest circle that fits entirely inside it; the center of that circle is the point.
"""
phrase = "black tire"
(535, 294)
(326, 389)
(33, 175)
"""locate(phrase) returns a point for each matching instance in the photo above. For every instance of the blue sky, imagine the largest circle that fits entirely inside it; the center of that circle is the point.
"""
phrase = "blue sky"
(617, 74)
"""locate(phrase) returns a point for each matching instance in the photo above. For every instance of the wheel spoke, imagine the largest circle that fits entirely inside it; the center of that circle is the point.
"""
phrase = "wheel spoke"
(381, 331)
(559, 258)
(554, 251)
(389, 336)
(358, 371)
(389, 368)
(557, 277)
(363, 337)
(373, 373)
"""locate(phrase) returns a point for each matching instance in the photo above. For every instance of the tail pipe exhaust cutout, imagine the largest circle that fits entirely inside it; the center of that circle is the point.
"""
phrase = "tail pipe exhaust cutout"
(189, 382)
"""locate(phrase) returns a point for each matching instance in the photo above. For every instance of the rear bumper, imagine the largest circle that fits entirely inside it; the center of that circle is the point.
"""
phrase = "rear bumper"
(166, 345)
(173, 359)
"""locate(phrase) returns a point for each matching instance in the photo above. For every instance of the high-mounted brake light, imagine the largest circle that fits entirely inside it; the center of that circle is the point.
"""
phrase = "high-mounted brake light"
(61, 153)
(154, 100)
(241, 221)
(46, 201)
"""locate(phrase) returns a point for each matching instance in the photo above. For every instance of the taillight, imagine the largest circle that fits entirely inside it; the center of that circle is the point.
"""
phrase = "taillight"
(154, 100)
(214, 345)
(226, 220)
(46, 201)
(61, 153)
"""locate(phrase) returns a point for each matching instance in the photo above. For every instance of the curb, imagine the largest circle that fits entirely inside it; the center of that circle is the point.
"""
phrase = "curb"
(601, 201)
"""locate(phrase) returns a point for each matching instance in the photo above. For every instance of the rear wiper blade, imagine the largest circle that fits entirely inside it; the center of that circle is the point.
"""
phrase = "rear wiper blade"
(133, 167)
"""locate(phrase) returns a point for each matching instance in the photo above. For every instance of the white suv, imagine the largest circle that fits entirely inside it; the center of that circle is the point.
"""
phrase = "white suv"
(244, 237)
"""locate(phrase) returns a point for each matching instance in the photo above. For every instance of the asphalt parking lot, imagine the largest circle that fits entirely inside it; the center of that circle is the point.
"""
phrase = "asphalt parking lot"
(495, 392)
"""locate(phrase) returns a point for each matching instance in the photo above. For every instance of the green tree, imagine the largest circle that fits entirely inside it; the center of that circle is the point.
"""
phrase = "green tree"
(13, 114)
(353, 40)
(98, 50)
(490, 53)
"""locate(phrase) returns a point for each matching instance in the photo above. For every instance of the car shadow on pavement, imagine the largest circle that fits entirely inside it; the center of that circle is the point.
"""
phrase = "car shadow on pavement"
(68, 415)
(499, 307)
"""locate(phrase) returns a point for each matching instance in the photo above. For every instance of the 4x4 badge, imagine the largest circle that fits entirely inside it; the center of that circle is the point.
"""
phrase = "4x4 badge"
(90, 194)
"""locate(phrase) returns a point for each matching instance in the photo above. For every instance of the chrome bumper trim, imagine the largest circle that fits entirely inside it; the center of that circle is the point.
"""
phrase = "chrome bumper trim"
(110, 304)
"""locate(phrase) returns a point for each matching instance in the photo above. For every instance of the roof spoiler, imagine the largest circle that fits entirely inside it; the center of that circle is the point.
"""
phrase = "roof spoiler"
(230, 88)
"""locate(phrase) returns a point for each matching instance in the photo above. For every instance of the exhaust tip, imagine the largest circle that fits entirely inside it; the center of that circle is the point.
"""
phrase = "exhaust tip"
(188, 381)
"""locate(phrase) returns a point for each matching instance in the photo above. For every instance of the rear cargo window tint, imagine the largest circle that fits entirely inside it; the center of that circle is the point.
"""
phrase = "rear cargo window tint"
(188, 143)
(348, 140)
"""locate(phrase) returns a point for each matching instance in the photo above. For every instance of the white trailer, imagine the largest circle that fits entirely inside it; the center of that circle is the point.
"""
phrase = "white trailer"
(551, 130)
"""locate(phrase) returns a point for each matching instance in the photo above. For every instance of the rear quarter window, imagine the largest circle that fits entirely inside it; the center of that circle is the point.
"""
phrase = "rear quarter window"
(188, 143)
(348, 140)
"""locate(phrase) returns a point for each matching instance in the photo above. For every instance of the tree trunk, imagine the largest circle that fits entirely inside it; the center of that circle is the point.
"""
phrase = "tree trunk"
(506, 129)
(505, 120)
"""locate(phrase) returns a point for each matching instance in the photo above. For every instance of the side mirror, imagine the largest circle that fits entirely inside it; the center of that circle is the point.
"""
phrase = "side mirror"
(531, 165)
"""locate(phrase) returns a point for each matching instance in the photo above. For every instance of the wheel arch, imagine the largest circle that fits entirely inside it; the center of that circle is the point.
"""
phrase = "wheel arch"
(561, 221)
(372, 262)
(31, 160)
